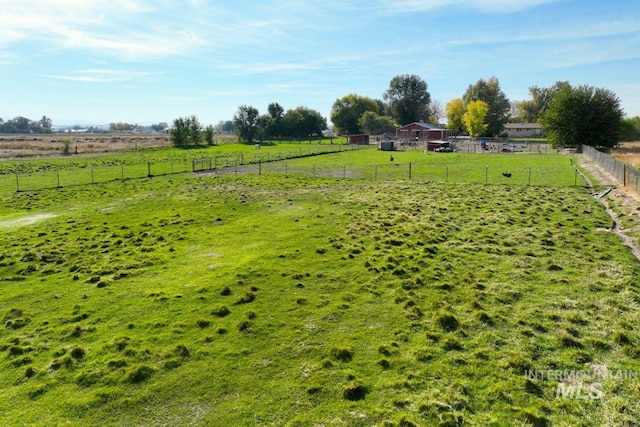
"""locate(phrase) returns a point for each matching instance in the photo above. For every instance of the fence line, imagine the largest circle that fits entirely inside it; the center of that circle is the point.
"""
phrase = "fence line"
(554, 176)
(625, 174)
(86, 175)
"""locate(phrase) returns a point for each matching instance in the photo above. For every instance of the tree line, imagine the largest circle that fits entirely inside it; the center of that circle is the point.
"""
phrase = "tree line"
(24, 125)
(569, 115)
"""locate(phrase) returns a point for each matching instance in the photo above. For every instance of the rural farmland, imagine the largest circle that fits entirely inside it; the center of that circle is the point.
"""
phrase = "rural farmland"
(284, 298)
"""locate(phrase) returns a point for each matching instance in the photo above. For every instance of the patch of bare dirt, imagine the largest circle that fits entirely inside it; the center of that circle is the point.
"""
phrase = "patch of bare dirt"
(622, 205)
(25, 220)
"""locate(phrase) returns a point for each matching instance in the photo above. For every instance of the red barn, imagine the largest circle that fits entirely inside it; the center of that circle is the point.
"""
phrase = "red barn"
(421, 130)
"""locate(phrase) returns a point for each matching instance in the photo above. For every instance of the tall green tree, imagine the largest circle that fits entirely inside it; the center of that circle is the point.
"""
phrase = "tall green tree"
(303, 122)
(455, 114)
(208, 134)
(274, 121)
(474, 118)
(407, 99)
(375, 124)
(245, 123)
(489, 92)
(179, 134)
(584, 115)
(347, 111)
(630, 129)
(531, 110)
(186, 131)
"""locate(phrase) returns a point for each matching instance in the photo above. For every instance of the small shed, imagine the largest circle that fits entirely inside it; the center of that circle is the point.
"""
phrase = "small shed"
(421, 130)
(359, 139)
(387, 146)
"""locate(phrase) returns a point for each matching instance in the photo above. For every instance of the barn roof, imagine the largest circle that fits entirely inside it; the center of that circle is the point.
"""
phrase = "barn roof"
(424, 125)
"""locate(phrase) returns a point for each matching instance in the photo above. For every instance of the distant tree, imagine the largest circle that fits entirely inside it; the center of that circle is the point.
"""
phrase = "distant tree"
(121, 127)
(303, 122)
(273, 122)
(180, 132)
(375, 124)
(208, 135)
(407, 99)
(347, 111)
(159, 126)
(531, 111)
(194, 131)
(245, 123)
(45, 124)
(21, 124)
(225, 126)
(584, 115)
(437, 112)
(474, 118)
(455, 115)
(489, 91)
(630, 129)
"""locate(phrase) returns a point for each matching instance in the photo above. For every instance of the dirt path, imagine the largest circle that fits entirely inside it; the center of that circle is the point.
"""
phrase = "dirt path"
(622, 206)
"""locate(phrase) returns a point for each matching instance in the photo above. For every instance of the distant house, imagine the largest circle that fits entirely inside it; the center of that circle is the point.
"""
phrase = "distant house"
(421, 130)
(524, 130)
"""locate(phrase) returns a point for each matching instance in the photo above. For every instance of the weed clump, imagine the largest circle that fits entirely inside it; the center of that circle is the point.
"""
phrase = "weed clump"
(246, 298)
(225, 291)
(355, 391)
(447, 321)
(221, 311)
(139, 374)
(77, 353)
(203, 323)
(342, 354)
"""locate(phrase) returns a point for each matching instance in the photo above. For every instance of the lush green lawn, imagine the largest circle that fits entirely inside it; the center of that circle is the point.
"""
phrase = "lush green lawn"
(274, 300)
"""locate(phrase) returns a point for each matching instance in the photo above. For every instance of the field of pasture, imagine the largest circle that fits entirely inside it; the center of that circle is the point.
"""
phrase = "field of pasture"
(292, 299)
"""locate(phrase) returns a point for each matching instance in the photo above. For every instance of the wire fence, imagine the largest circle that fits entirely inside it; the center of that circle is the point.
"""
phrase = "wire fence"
(625, 174)
(66, 176)
(552, 175)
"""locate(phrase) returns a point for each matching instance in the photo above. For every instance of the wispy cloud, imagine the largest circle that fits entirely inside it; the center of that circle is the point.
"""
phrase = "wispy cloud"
(129, 29)
(491, 6)
(97, 76)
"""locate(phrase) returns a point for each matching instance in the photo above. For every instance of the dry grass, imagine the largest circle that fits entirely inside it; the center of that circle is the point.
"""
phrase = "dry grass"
(17, 145)
(628, 152)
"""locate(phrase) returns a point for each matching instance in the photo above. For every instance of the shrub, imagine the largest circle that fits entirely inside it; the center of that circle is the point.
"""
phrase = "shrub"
(355, 391)
(447, 321)
(341, 353)
(221, 311)
(140, 373)
(77, 353)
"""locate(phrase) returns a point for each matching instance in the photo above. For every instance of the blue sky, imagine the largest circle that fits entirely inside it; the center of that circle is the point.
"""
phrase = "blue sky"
(148, 61)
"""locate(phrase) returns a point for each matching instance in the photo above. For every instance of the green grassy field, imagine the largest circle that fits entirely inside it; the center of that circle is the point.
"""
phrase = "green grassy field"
(301, 301)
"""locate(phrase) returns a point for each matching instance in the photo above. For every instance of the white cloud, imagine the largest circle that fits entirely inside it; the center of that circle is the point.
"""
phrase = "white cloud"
(97, 76)
(129, 29)
(492, 6)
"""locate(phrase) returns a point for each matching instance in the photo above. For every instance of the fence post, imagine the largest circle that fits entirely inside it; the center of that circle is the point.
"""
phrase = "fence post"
(171, 166)
(260, 167)
(529, 177)
(624, 174)
(122, 172)
(409, 170)
(486, 174)
(193, 164)
(286, 170)
(575, 177)
(446, 178)
(92, 180)
(149, 169)
(314, 170)
(58, 177)
(17, 182)
(344, 171)
(375, 176)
